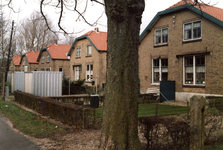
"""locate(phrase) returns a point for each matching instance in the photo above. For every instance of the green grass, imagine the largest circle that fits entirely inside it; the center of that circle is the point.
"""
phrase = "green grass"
(214, 147)
(27, 122)
(146, 110)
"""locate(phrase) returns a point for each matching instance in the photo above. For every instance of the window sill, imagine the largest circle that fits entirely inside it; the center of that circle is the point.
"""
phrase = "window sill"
(88, 56)
(78, 57)
(88, 81)
(160, 45)
(192, 40)
(194, 86)
(156, 84)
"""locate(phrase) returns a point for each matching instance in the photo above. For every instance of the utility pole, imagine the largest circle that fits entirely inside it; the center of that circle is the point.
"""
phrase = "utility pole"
(9, 51)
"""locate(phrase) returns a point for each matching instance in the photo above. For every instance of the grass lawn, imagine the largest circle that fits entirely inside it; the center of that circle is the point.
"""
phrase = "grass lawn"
(27, 122)
(213, 147)
(150, 110)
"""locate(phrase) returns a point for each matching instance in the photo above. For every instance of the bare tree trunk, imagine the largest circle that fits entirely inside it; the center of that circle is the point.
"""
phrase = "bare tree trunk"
(120, 118)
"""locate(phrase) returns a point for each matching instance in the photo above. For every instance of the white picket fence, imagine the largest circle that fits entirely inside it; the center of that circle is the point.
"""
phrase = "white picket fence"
(39, 83)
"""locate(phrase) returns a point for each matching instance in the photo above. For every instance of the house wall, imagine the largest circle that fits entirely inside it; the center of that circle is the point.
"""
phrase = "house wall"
(212, 36)
(54, 64)
(98, 59)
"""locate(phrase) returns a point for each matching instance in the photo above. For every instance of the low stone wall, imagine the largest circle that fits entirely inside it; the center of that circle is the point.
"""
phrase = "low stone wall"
(84, 99)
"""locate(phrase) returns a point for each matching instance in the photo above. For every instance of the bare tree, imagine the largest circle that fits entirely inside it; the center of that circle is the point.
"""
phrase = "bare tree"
(32, 33)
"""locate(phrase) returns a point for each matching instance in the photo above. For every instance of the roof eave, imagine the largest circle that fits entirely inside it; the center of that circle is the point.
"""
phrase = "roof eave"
(185, 6)
(77, 39)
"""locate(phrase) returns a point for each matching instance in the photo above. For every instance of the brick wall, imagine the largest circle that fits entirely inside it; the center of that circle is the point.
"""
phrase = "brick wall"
(54, 64)
(212, 37)
(98, 59)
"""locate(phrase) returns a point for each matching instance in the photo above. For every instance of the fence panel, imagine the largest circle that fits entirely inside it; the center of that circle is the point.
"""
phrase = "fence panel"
(19, 81)
(47, 83)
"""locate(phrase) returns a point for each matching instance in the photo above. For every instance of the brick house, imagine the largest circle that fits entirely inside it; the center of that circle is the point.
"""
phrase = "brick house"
(88, 57)
(15, 63)
(54, 58)
(183, 43)
(28, 61)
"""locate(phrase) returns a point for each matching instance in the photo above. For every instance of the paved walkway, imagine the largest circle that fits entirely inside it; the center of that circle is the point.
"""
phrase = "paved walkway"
(12, 140)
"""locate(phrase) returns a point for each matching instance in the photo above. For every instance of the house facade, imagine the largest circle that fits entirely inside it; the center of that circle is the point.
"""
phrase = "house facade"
(183, 44)
(88, 58)
(15, 63)
(54, 58)
(28, 61)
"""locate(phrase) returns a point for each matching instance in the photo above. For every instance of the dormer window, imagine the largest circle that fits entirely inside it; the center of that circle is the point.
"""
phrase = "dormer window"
(23, 63)
(78, 52)
(48, 58)
(89, 50)
(192, 30)
(161, 36)
(42, 60)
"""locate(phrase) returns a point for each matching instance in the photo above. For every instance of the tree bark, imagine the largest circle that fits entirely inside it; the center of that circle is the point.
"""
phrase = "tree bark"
(120, 118)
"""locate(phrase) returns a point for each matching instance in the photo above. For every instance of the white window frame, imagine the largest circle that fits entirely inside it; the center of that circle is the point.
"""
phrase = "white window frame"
(161, 30)
(192, 31)
(160, 71)
(89, 72)
(48, 58)
(77, 72)
(78, 52)
(89, 50)
(194, 71)
(47, 69)
(42, 59)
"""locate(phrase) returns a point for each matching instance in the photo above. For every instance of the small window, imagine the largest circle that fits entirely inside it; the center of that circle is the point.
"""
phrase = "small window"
(23, 63)
(77, 72)
(78, 52)
(192, 30)
(160, 70)
(48, 69)
(89, 72)
(42, 59)
(42, 69)
(161, 36)
(194, 70)
(48, 58)
(61, 69)
(89, 50)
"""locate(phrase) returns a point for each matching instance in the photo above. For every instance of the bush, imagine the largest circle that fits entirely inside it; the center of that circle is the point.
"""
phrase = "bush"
(76, 87)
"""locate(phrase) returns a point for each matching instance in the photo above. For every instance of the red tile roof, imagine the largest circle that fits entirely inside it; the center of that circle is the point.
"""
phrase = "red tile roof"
(58, 51)
(99, 39)
(32, 57)
(213, 11)
(16, 60)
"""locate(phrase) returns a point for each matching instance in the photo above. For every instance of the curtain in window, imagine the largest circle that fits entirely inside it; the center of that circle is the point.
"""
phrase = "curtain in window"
(189, 69)
(200, 69)
(164, 69)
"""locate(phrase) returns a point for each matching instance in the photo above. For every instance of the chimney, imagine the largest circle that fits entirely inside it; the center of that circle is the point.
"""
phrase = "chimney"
(96, 29)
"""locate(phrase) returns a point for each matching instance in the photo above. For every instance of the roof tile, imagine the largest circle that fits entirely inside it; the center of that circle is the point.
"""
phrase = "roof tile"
(58, 51)
(16, 60)
(213, 11)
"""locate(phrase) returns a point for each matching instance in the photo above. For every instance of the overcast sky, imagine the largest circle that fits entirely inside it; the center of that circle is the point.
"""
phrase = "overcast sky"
(94, 10)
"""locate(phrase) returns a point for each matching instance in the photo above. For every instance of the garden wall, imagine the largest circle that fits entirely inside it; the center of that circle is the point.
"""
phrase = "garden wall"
(73, 115)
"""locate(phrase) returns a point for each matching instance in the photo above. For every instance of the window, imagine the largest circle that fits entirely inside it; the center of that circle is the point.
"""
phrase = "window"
(23, 63)
(89, 50)
(61, 69)
(42, 69)
(160, 70)
(48, 58)
(161, 36)
(78, 52)
(47, 69)
(192, 30)
(89, 72)
(42, 59)
(77, 72)
(194, 70)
